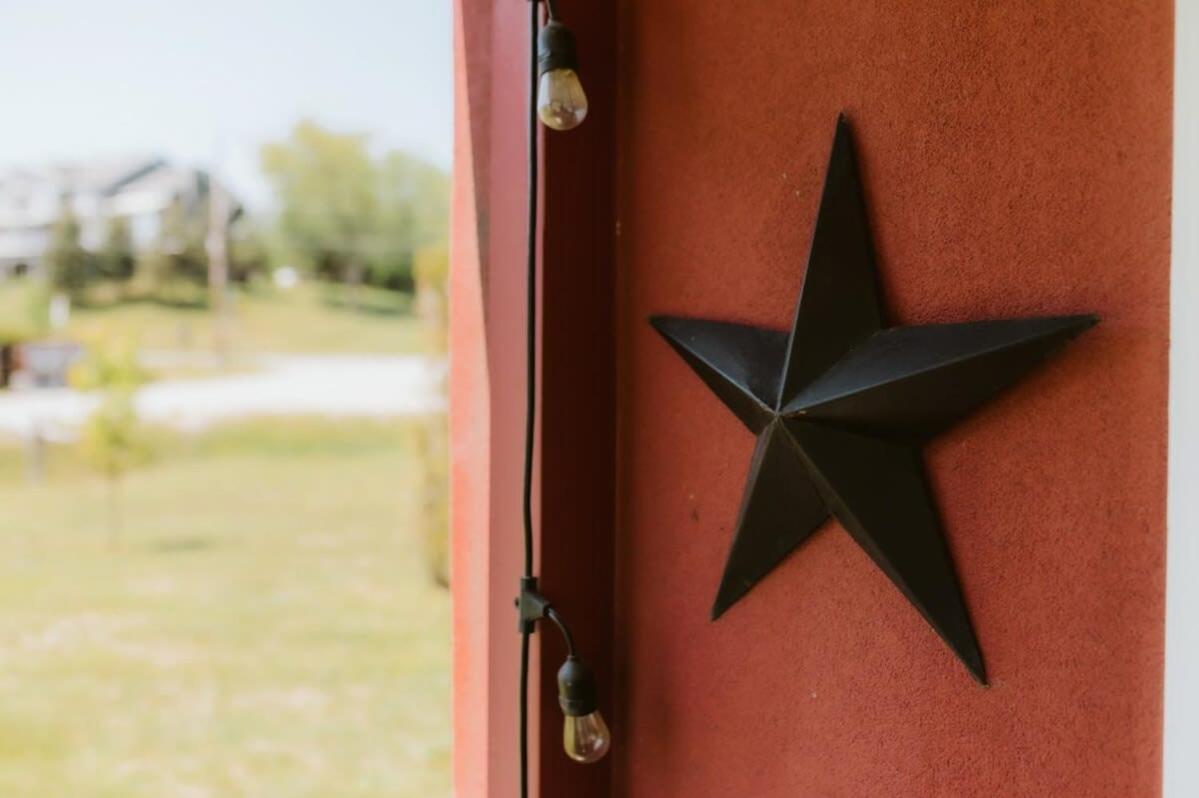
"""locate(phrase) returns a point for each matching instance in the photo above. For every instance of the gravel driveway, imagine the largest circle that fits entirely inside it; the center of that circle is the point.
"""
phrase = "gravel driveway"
(328, 385)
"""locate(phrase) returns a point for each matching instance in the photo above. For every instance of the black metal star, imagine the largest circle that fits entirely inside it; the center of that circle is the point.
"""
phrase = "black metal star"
(841, 406)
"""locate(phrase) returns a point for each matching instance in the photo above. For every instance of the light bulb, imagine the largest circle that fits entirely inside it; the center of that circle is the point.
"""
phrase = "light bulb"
(561, 102)
(586, 738)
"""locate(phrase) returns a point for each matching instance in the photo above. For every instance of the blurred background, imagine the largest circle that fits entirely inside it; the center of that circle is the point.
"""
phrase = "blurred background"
(222, 442)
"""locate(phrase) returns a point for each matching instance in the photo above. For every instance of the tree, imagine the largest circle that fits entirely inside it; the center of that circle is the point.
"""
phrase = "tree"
(348, 215)
(326, 185)
(414, 201)
(111, 440)
(116, 257)
(249, 253)
(432, 436)
(66, 259)
(178, 254)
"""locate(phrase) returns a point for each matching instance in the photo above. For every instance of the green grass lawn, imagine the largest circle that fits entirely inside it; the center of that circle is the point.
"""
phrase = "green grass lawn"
(264, 624)
(312, 317)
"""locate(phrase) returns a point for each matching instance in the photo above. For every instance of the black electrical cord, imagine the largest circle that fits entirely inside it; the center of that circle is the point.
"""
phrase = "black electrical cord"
(553, 615)
(530, 382)
(531, 296)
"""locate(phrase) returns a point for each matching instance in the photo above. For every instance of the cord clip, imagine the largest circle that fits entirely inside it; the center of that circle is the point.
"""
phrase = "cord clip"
(530, 605)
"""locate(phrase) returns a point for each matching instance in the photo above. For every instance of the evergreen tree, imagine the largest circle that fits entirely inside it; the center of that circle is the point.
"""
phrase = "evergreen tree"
(66, 259)
(117, 258)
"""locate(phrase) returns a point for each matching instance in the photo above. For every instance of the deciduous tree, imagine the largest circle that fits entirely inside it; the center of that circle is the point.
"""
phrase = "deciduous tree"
(349, 215)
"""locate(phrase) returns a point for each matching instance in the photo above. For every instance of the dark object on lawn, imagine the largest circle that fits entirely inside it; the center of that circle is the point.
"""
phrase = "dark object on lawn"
(46, 364)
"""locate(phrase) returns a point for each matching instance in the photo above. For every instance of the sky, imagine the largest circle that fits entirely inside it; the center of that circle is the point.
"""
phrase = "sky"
(206, 82)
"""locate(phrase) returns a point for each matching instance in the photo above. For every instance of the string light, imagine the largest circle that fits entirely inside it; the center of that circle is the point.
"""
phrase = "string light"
(558, 100)
(561, 101)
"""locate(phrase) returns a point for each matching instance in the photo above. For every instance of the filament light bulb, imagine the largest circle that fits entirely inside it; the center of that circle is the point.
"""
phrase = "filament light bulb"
(585, 736)
(561, 101)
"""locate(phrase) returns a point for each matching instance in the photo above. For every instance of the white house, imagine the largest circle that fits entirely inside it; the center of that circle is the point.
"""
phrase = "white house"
(140, 189)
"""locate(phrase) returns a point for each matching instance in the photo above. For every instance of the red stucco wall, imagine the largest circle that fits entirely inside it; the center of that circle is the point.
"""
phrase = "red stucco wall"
(1017, 161)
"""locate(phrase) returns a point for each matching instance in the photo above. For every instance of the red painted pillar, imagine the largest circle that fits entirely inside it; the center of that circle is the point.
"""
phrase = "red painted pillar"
(469, 417)
(575, 473)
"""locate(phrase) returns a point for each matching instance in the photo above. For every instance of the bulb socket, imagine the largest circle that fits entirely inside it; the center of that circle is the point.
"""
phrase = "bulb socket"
(576, 688)
(556, 48)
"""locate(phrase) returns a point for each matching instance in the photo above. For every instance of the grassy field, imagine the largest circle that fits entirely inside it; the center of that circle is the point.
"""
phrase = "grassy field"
(263, 625)
(309, 318)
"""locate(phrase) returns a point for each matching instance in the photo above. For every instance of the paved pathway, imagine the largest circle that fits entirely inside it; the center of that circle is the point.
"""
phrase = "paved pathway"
(330, 385)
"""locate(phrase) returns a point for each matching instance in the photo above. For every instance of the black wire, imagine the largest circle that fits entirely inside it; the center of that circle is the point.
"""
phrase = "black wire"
(553, 615)
(531, 299)
(524, 715)
(530, 382)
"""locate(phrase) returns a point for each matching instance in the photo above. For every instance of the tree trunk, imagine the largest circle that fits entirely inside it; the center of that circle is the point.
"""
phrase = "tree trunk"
(115, 521)
(355, 275)
(217, 246)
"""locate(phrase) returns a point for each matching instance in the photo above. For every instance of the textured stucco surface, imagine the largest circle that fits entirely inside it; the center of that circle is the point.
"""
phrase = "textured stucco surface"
(1016, 158)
